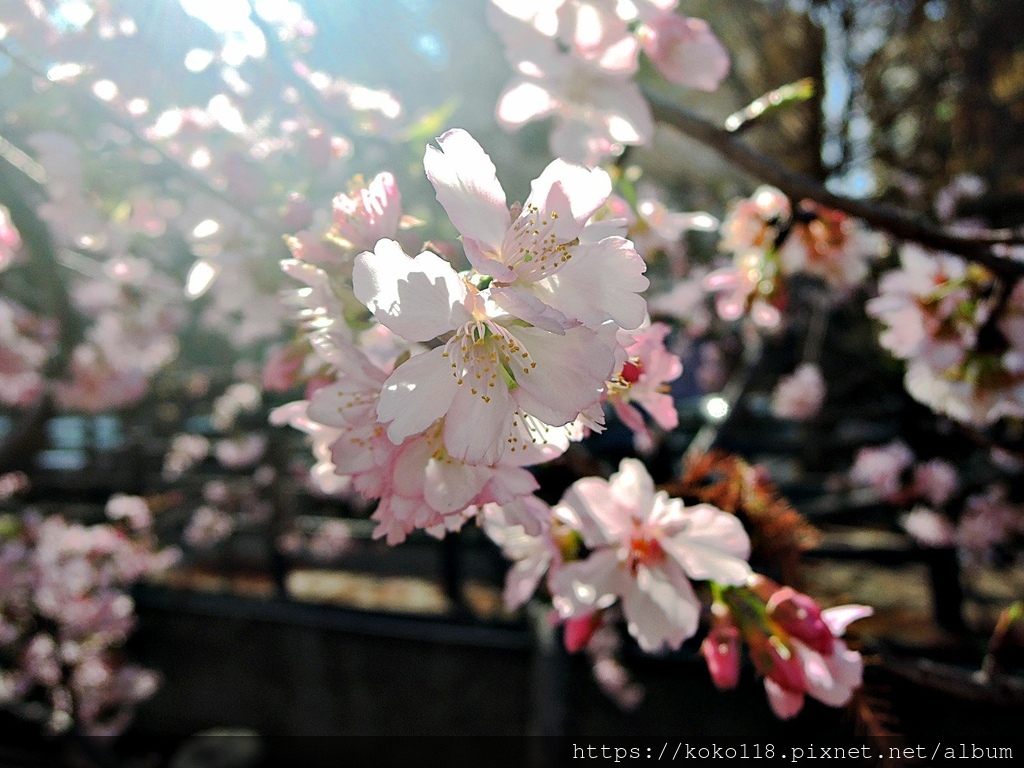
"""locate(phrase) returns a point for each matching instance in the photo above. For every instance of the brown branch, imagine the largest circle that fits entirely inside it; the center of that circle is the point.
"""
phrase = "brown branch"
(902, 224)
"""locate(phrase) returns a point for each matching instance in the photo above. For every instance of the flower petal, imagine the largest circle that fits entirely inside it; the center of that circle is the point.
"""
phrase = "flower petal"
(467, 187)
(417, 394)
(661, 612)
(523, 101)
(569, 377)
(711, 545)
(601, 281)
(571, 191)
(478, 422)
(417, 298)
(586, 585)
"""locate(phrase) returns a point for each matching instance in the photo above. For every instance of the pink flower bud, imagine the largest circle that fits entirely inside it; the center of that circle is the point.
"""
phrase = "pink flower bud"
(579, 630)
(800, 616)
(721, 650)
(686, 51)
(776, 660)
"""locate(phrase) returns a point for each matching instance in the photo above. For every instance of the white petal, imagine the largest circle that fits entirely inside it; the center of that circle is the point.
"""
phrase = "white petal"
(529, 308)
(475, 429)
(569, 377)
(601, 281)
(583, 586)
(602, 519)
(584, 190)
(417, 298)
(467, 187)
(632, 487)
(523, 101)
(661, 612)
(713, 545)
(451, 485)
(417, 394)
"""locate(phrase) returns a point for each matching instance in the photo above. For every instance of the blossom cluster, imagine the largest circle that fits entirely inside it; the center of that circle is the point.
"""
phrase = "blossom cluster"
(65, 613)
(794, 644)
(770, 240)
(960, 331)
(575, 60)
(448, 384)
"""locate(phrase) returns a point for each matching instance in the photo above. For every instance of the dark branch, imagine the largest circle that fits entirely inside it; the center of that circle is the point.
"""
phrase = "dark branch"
(896, 221)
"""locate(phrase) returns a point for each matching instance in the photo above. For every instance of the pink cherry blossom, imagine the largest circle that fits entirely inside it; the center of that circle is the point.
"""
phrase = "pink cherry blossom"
(644, 549)
(960, 361)
(881, 468)
(685, 51)
(490, 376)
(368, 213)
(643, 379)
(935, 481)
(800, 395)
(830, 676)
(574, 60)
(549, 267)
(928, 528)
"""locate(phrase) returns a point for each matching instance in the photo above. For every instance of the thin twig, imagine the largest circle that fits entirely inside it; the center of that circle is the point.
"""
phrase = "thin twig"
(901, 223)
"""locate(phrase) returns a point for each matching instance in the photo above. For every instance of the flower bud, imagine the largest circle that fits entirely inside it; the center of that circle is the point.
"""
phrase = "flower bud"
(721, 650)
(579, 630)
(800, 616)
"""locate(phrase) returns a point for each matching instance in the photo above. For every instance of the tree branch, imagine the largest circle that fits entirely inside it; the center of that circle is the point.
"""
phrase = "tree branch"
(896, 221)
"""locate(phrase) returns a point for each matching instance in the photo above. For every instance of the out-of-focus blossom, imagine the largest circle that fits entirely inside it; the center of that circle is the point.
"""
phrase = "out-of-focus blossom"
(208, 526)
(882, 469)
(95, 386)
(132, 509)
(935, 481)
(65, 613)
(184, 452)
(962, 360)
(574, 61)
(685, 50)
(989, 520)
(240, 451)
(800, 395)
(23, 352)
(368, 213)
(282, 367)
(10, 241)
(332, 539)
(928, 528)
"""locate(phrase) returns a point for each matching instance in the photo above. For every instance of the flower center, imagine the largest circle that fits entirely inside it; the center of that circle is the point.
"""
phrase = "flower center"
(533, 251)
(482, 353)
(644, 551)
(631, 371)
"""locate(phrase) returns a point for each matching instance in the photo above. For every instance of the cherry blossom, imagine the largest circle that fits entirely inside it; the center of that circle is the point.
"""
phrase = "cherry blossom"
(685, 50)
(799, 396)
(644, 549)
(491, 376)
(575, 60)
(643, 379)
(962, 360)
(549, 266)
